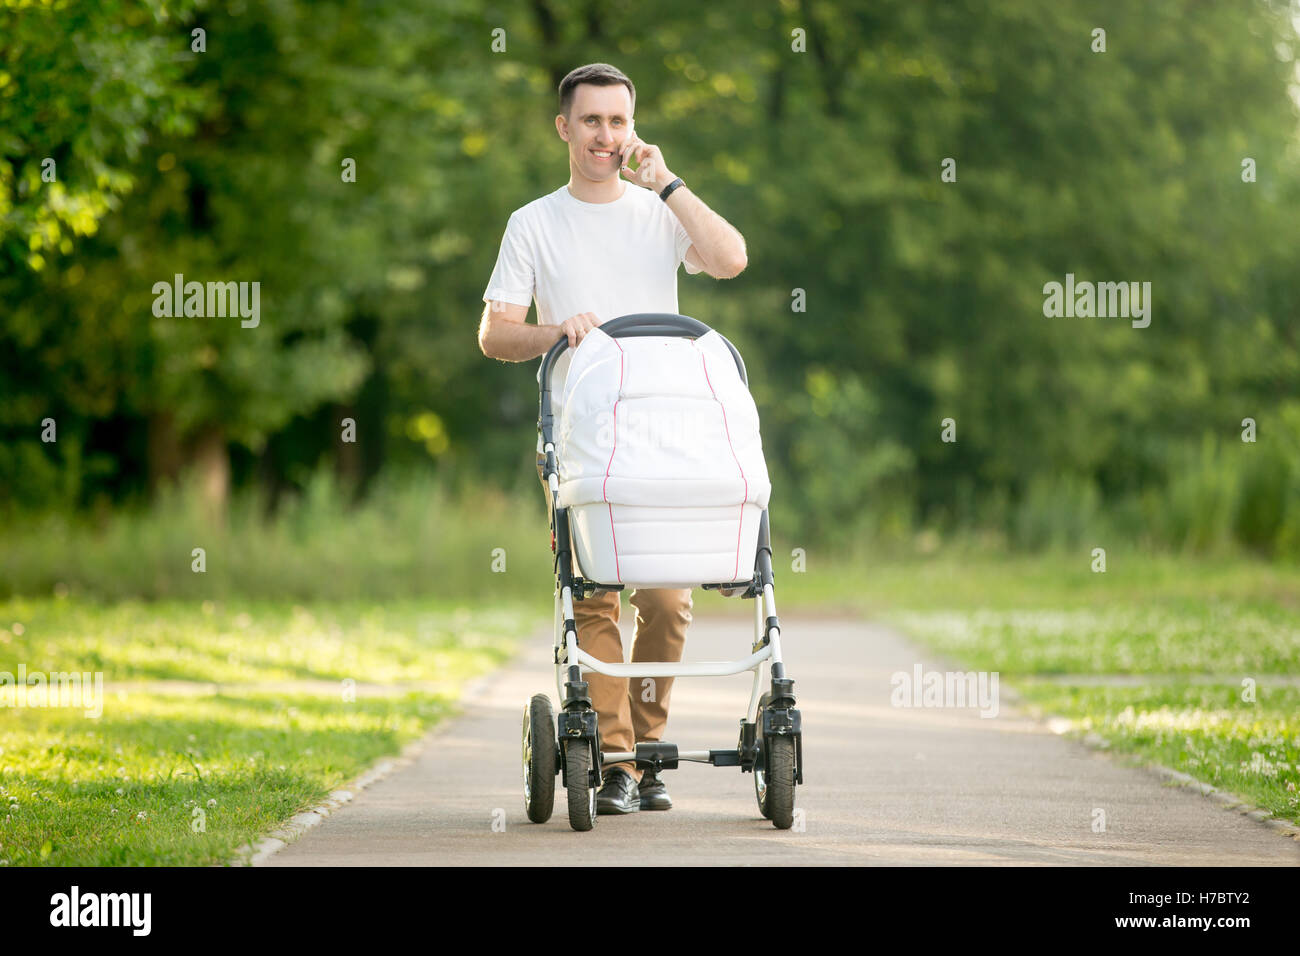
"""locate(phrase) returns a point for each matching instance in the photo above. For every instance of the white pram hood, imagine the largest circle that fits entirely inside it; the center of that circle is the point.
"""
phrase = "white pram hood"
(660, 421)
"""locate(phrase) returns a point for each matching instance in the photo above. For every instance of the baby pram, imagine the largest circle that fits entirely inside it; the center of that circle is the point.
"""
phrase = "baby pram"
(676, 501)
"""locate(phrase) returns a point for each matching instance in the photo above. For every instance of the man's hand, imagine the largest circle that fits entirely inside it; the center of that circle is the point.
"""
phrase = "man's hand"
(651, 170)
(577, 327)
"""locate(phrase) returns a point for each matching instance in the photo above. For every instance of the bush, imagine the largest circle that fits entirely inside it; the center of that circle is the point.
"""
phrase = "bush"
(1194, 510)
(409, 538)
(1059, 513)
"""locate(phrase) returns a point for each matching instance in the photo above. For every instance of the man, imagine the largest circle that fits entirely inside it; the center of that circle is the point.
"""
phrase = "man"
(597, 248)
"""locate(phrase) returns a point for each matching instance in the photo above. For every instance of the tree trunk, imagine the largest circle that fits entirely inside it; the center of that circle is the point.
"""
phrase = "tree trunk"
(827, 71)
(210, 466)
(347, 454)
(164, 452)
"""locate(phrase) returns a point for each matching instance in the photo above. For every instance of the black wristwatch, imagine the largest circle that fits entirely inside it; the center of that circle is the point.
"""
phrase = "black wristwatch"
(668, 190)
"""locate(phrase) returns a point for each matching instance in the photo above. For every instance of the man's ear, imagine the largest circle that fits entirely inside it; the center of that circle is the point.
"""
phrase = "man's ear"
(562, 126)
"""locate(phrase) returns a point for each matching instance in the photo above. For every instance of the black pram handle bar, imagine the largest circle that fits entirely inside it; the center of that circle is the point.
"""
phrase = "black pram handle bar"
(625, 326)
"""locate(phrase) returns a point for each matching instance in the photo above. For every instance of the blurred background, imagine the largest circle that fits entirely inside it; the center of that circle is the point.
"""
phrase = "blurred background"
(818, 129)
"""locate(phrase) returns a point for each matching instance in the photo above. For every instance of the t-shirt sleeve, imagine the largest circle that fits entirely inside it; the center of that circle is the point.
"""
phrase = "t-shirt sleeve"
(512, 278)
(683, 244)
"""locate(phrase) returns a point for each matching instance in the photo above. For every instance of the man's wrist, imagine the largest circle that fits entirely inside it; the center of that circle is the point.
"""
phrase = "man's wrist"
(671, 187)
(664, 181)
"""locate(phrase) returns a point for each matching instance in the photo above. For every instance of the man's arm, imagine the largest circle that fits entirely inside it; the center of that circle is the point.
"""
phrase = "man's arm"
(717, 246)
(504, 334)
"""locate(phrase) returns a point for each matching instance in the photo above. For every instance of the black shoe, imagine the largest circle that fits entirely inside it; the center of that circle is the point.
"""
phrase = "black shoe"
(654, 795)
(618, 794)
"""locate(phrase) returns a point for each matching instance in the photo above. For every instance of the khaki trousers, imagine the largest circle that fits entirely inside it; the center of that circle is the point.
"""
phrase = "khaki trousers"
(631, 711)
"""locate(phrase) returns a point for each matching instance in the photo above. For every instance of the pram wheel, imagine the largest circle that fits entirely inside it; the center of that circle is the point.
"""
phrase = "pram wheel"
(582, 795)
(540, 756)
(775, 788)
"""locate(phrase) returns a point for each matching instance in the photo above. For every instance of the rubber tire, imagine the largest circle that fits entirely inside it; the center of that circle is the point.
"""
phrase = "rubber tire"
(582, 796)
(540, 770)
(758, 765)
(777, 802)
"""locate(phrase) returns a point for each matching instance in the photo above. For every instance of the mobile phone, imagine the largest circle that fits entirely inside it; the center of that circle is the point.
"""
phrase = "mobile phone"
(631, 135)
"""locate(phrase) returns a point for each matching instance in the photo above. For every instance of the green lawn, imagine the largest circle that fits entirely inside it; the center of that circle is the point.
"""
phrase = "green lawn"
(1151, 655)
(219, 721)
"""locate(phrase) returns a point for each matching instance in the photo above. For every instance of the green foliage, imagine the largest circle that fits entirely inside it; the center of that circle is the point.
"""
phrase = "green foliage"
(843, 474)
(924, 297)
(1058, 513)
(409, 538)
(1194, 509)
(83, 84)
(1262, 504)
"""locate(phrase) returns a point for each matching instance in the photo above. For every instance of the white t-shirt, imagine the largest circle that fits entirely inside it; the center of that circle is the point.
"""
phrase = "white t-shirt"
(611, 259)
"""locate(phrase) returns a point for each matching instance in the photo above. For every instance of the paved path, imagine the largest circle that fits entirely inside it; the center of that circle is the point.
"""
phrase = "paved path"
(883, 785)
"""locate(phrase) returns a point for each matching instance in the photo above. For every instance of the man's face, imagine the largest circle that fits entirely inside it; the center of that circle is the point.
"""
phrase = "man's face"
(598, 124)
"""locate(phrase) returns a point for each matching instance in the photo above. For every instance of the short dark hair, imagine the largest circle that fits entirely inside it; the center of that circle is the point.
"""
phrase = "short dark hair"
(597, 74)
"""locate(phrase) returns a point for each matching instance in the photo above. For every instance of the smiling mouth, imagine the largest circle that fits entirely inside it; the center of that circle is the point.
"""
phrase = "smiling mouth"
(604, 153)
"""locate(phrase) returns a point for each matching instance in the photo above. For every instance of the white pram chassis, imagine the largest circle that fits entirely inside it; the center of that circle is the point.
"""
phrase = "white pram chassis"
(568, 743)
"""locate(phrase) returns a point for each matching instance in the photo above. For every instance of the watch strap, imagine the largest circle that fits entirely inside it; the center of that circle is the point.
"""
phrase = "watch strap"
(668, 190)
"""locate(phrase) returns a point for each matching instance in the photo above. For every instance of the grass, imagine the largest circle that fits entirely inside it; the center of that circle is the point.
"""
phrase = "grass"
(970, 579)
(1209, 731)
(408, 539)
(257, 641)
(1180, 634)
(1162, 637)
(220, 720)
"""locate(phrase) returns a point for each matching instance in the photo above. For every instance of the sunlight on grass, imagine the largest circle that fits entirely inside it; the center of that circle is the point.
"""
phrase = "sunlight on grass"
(253, 641)
(123, 790)
(187, 771)
(1214, 637)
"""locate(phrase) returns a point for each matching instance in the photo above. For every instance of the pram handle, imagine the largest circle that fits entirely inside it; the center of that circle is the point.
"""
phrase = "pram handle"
(627, 326)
